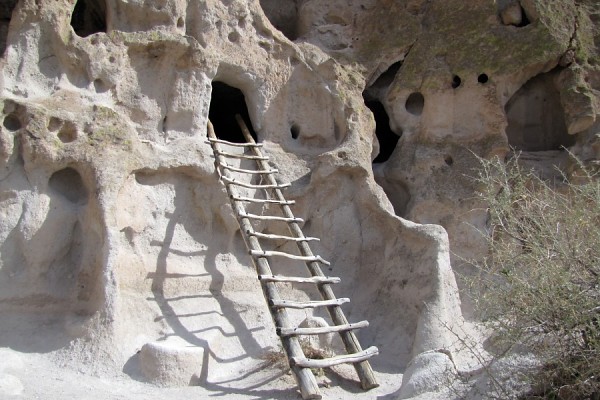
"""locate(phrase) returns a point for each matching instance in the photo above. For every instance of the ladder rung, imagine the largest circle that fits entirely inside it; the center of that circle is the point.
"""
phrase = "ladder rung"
(321, 330)
(308, 304)
(330, 362)
(258, 253)
(271, 201)
(282, 237)
(270, 218)
(294, 279)
(244, 156)
(211, 140)
(249, 171)
(251, 186)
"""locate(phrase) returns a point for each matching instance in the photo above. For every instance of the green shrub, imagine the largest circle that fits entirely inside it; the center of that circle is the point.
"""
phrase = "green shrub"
(539, 286)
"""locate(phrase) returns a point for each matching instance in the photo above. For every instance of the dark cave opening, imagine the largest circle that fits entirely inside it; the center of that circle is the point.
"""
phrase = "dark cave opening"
(283, 15)
(456, 81)
(6, 10)
(89, 17)
(535, 115)
(524, 19)
(483, 78)
(387, 138)
(225, 102)
(415, 103)
(295, 131)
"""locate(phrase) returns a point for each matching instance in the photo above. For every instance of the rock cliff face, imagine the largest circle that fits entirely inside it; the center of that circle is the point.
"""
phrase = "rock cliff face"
(118, 248)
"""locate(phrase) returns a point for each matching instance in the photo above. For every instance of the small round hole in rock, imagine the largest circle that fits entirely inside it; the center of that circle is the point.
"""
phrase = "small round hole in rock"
(54, 124)
(12, 122)
(295, 131)
(68, 132)
(449, 160)
(415, 103)
(180, 23)
(456, 81)
(233, 37)
(100, 86)
(483, 78)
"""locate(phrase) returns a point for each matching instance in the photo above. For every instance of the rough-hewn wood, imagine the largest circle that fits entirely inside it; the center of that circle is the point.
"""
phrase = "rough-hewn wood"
(249, 171)
(253, 200)
(330, 362)
(243, 156)
(307, 304)
(251, 186)
(272, 236)
(321, 329)
(363, 369)
(270, 218)
(268, 253)
(293, 279)
(234, 144)
(305, 378)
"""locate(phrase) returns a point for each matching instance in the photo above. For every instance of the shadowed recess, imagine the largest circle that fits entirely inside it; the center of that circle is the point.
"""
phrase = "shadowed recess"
(283, 15)
(456, 81)
(535, 117)
(6, 9)
(415, 103)
(12, 122)
(387, 138)
(89, 17)
(225, 102)
(68, 183)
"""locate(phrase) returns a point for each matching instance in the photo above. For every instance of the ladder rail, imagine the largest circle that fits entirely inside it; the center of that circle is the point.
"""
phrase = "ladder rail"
(351, 343)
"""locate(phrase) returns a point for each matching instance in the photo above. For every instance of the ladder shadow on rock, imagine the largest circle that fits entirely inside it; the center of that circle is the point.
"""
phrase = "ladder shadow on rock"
(174, 320)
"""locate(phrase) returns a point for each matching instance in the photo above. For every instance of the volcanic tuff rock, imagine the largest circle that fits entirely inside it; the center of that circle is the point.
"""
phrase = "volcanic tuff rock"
(115, 233)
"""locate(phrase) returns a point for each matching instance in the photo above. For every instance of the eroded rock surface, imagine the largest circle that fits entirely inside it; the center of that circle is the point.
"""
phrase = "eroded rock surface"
(116, 235)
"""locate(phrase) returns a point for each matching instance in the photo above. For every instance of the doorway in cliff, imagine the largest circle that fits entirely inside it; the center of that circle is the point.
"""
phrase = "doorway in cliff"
(535, 115)
(225, 102)
(89, 17)
(6, 10)
(388, 139)
(373, 97)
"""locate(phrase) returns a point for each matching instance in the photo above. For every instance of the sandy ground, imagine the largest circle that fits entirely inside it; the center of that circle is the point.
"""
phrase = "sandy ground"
(35, 376)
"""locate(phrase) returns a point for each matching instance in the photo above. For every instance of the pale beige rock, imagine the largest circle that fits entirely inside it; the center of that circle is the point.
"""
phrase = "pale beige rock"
(115, 231)
(171, 363)
(427, 372)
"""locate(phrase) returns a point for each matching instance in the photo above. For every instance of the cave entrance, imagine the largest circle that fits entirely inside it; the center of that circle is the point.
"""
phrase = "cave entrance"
(387, 138)
(6, 10)
(89, 17)
(535, 117)
(225, 102)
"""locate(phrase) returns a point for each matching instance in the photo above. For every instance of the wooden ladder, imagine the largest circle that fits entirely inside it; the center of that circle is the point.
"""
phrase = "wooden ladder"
(299, 363)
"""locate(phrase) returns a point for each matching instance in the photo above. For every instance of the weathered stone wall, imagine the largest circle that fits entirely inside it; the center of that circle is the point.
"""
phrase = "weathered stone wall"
(114, 225)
